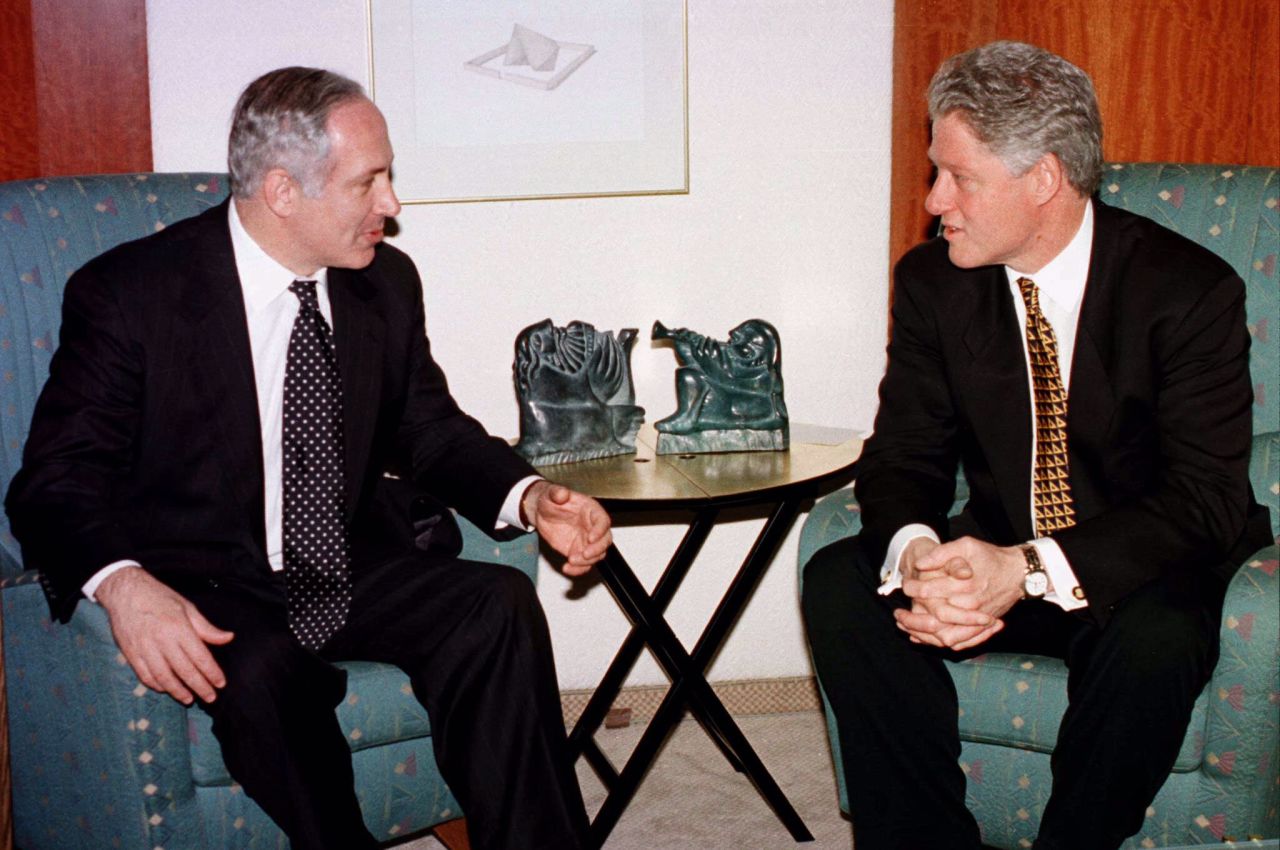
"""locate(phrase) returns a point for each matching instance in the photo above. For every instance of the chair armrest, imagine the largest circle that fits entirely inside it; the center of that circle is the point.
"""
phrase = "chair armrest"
(519, 552)
(97, 757)
(833, 517)
(1238, 794)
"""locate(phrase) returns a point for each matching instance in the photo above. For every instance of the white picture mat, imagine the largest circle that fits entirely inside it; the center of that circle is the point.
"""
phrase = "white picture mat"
(615, 125)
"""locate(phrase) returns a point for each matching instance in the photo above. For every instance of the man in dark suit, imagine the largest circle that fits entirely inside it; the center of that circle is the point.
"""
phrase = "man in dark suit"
(207, 463)
(1089, 369)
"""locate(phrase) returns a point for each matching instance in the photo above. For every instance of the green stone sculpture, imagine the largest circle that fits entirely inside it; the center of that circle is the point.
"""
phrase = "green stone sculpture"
(729, 394)
(575, 392)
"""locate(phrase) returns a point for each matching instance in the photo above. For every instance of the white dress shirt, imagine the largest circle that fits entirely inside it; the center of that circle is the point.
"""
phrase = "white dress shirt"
(270, 310)
(1061, 283)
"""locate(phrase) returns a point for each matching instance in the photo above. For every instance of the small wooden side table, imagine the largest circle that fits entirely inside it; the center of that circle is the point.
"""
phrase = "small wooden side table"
(702, 485)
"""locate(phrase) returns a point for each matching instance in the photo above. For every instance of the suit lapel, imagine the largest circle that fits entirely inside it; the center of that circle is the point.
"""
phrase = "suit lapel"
(213, 310)
(1091, 402)
(358, 334)
(998, 391)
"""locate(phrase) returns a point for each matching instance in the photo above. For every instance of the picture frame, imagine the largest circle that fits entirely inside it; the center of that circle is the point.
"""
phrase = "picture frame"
(502, 100)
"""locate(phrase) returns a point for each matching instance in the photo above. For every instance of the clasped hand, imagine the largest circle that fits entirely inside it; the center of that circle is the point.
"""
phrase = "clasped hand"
(958, 590)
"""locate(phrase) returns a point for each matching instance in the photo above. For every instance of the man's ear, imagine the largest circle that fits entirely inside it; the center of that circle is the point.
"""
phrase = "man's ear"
(1048, 178)
(280, 192)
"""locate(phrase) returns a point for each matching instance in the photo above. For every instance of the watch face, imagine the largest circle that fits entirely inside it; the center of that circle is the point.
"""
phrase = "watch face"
(1036, 583)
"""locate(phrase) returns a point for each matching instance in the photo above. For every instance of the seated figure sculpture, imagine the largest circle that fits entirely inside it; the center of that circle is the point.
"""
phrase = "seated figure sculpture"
(575, 392)
(729, 394)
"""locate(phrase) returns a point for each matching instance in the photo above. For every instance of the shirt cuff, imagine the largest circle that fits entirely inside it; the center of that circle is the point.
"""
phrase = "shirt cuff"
(90, 587)
(1067, 593)
(891, 570)
(510, 511)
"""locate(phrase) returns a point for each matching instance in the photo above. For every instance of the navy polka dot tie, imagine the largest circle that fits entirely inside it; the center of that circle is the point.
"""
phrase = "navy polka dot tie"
(316, 549)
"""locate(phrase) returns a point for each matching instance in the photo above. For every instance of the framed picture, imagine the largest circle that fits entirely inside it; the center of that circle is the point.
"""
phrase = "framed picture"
(491, 100)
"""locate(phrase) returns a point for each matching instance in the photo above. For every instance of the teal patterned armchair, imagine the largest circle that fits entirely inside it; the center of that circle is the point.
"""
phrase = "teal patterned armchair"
(1226, 782)
(98, 760)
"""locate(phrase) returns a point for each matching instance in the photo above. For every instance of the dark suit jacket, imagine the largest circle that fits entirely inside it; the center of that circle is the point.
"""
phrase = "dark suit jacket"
(1158, 416)
(146, 443)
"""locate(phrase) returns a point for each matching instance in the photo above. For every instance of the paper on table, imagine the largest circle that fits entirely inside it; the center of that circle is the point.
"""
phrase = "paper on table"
(821, 435)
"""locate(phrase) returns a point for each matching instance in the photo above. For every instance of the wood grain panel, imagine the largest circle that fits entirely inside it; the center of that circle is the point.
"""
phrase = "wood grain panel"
(1177, 80)
(453, 834)
(18, 142)
(1264, 102)
(923, 28)
(93, 97)
(1065, 24)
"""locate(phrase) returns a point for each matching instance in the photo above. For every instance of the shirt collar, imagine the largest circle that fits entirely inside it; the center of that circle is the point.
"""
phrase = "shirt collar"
(262, 278)
(1063, 278)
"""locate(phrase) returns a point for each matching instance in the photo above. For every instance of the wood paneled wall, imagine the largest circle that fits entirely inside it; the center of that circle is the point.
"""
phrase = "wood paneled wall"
(1177, 80)
(74, 96)
(19, 146)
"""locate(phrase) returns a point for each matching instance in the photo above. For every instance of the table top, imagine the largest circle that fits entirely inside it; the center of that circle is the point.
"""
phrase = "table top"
(687, 480)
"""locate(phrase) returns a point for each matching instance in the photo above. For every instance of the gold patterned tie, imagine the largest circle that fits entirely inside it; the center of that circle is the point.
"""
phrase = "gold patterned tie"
(1054, 507)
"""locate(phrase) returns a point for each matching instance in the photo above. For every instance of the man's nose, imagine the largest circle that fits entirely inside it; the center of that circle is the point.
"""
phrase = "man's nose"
(389, 204)
(938, 200)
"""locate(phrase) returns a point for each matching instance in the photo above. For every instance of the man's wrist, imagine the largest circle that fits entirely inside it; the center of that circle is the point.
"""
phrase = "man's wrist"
(90, 587)
(1035, 581)
(118, 581)
(915, 549)
(892, 570)
(529, 501)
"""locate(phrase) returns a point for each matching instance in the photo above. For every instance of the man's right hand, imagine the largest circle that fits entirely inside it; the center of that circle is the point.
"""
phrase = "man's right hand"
(938, 621)
(162, 635)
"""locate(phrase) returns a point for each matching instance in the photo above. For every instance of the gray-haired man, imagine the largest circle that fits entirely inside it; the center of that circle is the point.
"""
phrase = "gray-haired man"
(1089, 369)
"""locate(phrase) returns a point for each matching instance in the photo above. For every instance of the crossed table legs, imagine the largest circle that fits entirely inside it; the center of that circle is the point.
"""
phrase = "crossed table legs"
(689, 686)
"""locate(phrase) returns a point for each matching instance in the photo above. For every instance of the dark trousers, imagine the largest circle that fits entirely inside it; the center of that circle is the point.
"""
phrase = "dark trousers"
(1131, 687)
(474, 642)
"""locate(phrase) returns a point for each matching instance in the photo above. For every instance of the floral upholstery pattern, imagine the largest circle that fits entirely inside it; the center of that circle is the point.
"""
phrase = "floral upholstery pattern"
(1235, 212)
(1224, 784)
(100, 761)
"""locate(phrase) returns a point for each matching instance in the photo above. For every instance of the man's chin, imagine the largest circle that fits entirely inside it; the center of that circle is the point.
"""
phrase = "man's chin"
(356, 259)
(963, 259)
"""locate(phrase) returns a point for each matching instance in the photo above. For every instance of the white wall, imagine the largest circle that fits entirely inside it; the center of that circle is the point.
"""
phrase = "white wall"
(786, 219)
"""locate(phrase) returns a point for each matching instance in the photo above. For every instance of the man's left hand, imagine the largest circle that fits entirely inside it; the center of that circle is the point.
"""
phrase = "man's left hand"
(575, 525)
(993, 586)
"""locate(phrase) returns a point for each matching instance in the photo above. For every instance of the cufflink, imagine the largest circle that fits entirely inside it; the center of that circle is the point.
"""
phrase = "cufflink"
(1078, 592)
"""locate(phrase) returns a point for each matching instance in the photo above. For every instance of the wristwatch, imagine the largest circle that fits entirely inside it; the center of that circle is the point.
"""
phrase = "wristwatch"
(1035, 584)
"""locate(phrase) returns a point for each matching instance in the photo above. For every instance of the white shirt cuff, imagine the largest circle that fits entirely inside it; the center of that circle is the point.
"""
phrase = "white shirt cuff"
(891, 570)
(1067, 593)
(90, 587)
(510, 512)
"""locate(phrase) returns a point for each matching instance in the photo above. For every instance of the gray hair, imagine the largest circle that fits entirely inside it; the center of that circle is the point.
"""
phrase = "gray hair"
(280, 121)
(1022, 102)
